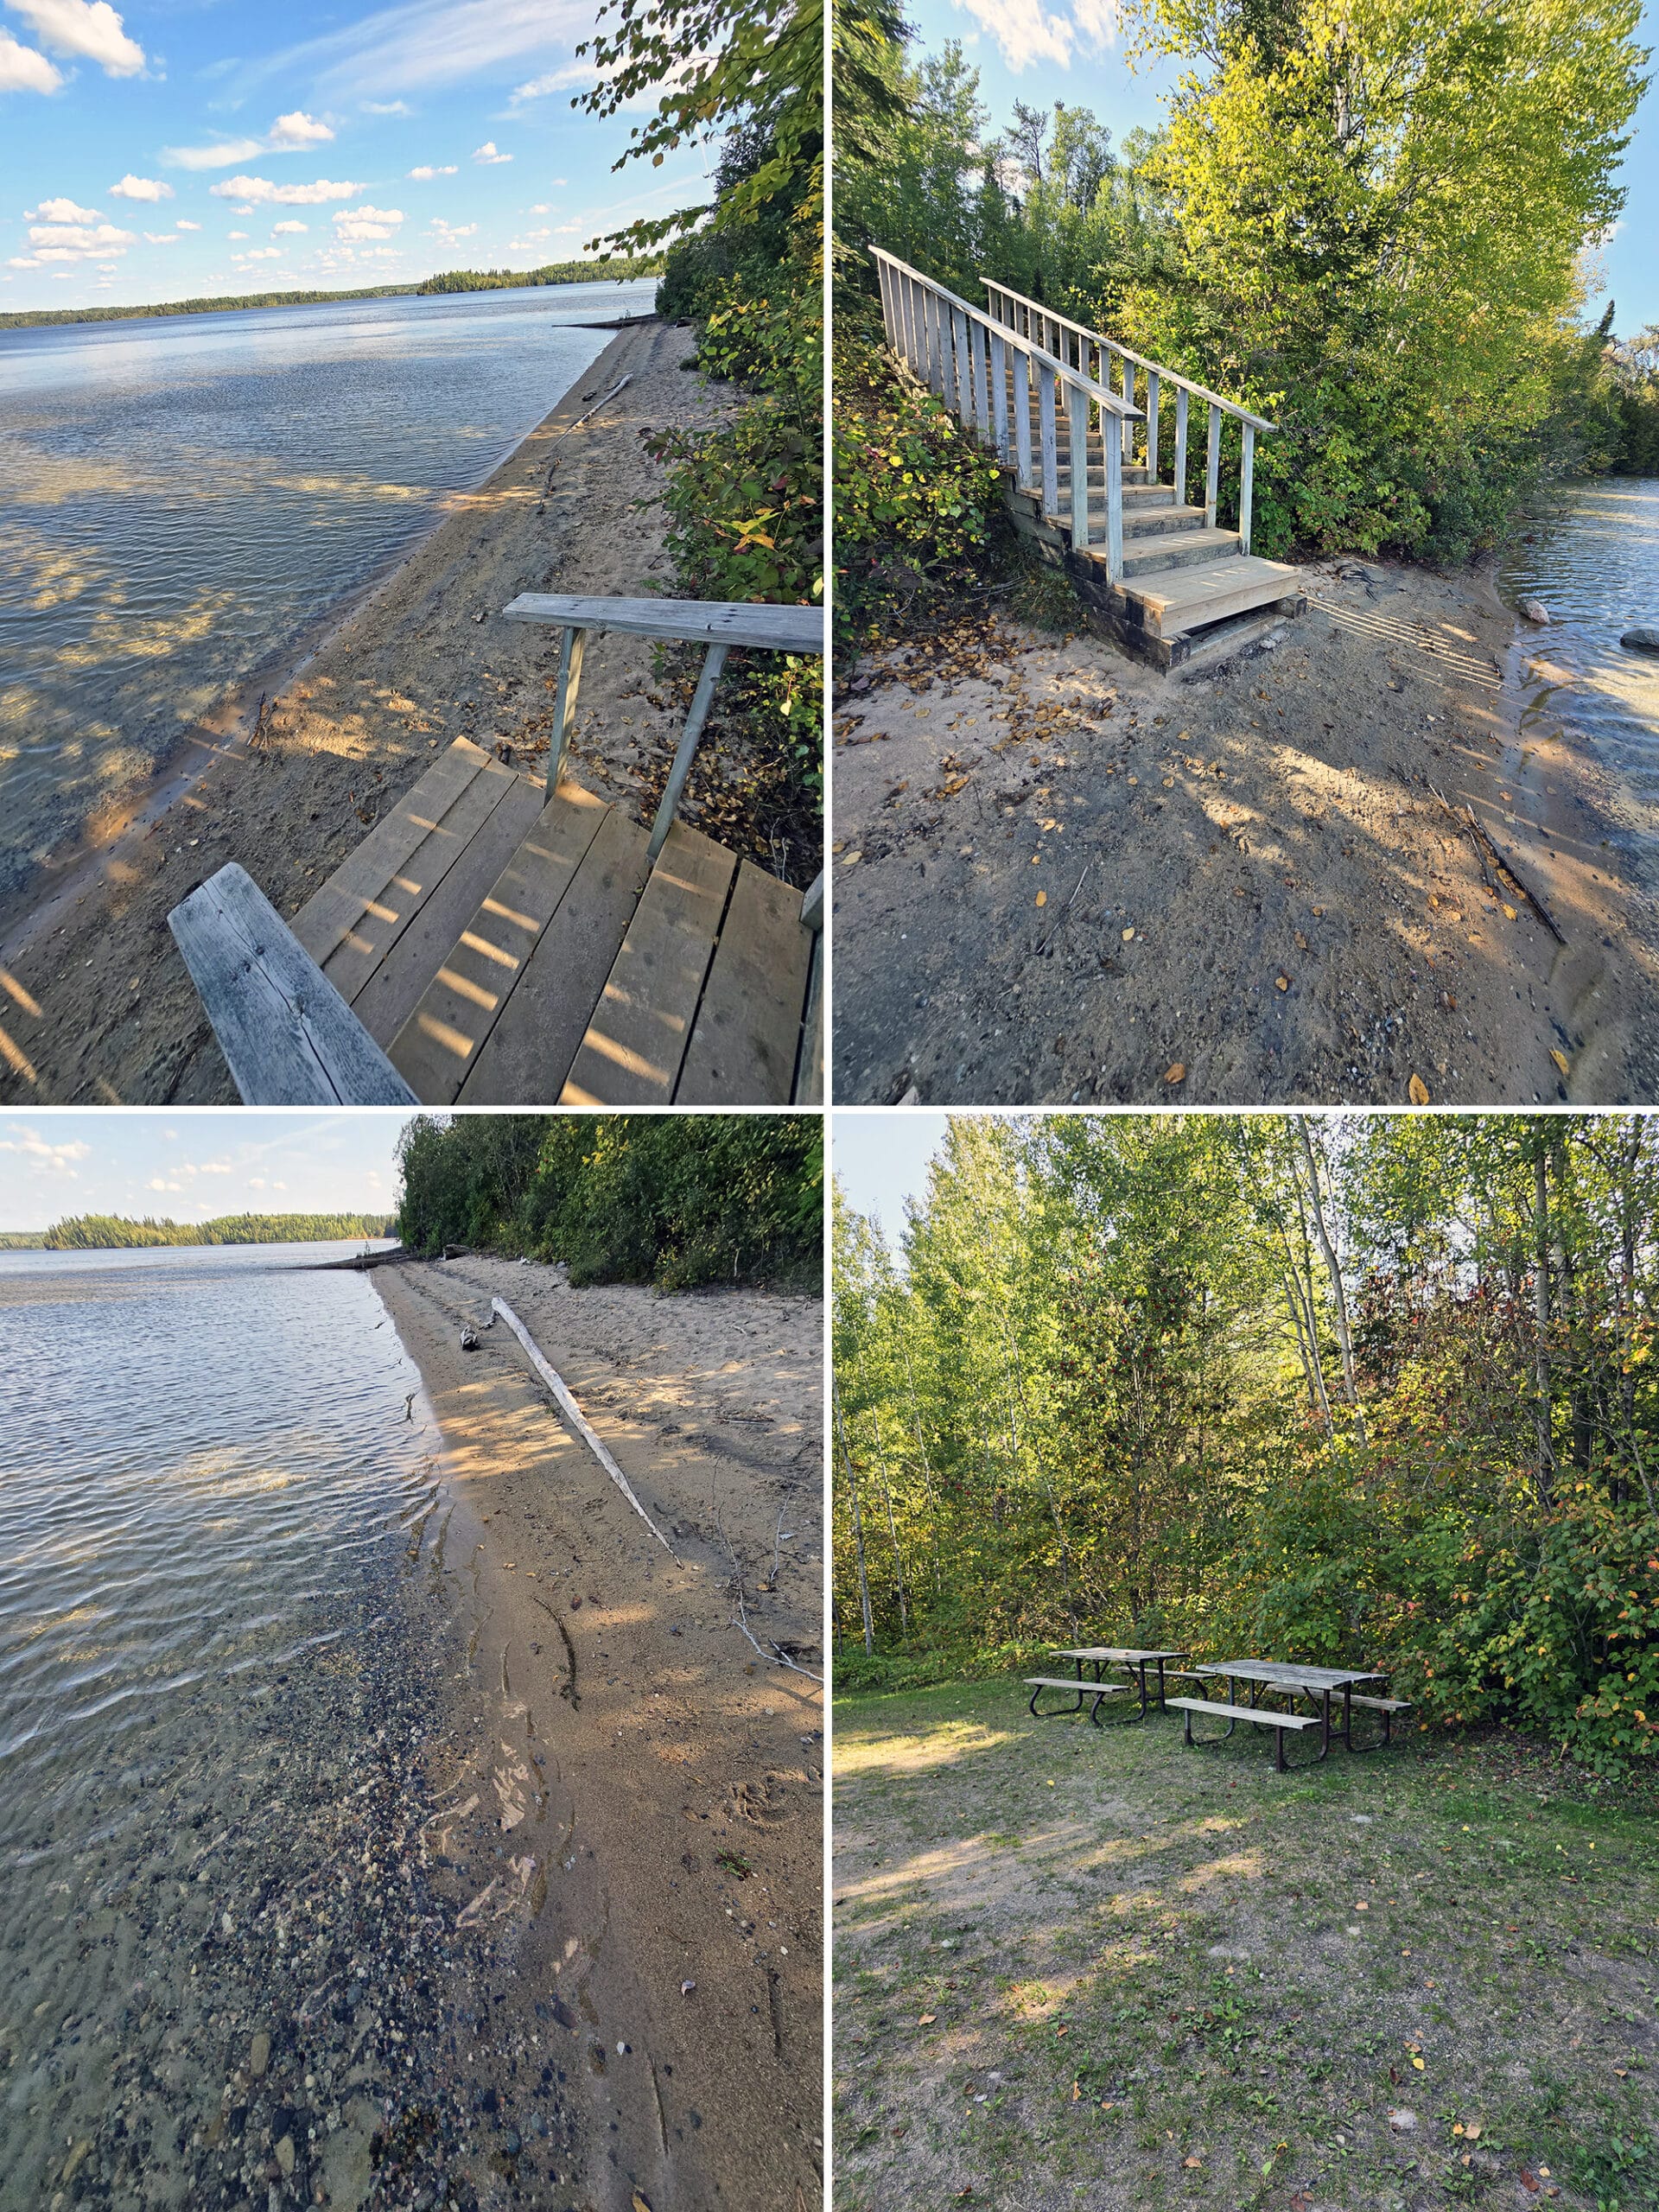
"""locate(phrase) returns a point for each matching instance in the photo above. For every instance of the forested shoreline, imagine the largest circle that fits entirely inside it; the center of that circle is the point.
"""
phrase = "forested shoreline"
(683, 1201)
(1339, 1390)
(102, 1232)
(1379, 233)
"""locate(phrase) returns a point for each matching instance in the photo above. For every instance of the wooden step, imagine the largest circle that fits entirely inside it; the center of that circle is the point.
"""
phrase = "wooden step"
(1146, 556)
(1154, 522)
(1182, 599)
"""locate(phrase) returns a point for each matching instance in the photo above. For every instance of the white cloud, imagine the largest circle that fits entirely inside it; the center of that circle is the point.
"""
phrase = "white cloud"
(1025, 31)
(61, 211)
(93, 241)
(162, 237)
(256, 1182)
(288, 230)
(216, 1167)
(258, 253)
(296, 130)
(22, 70)
(425, 174)
(140, 188)
(414, 43)
(556, 80)
(185, 224)
(222, 156)
(541, 209)
(34, 1146)
(386, 107)
(258, 190)
(236, 234)
(445, 232)
(529, 239)
(88, 27)
(355, 224)
(157, 1182)
(488, 154)
(279, 1187)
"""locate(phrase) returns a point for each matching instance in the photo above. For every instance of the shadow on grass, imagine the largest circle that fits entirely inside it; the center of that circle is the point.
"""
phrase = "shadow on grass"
(1081, 1966)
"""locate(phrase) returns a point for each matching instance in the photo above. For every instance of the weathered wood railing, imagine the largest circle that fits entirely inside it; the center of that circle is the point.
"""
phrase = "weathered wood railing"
(1059, 335)
(985, 369)
(717, 624)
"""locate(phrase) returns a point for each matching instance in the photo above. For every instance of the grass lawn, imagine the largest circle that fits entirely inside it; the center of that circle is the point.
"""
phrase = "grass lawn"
(1083, 1966)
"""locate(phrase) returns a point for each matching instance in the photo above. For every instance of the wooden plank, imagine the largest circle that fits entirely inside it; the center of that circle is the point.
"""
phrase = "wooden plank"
(1069, 1682)
(394, 906)
(393, 990)
(439, 1042)
(809, 1073)
(1258, 1712)
(566, 1405)
(746, 1036)
(527, 1056)
(700, 621)
(336, 906)
(631, 1052)
(287, 1035)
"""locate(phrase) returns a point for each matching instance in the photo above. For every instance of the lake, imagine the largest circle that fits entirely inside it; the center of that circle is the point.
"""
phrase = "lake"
(1592, 558)
(181, 497)
(220, 1505)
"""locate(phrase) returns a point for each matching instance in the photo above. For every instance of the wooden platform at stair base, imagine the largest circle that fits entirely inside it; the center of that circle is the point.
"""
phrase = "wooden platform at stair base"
(505, 948)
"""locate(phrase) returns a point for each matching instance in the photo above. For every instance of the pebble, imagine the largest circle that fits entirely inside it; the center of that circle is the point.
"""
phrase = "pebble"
(260, 2055)
(1641, 640)
(1535, 611)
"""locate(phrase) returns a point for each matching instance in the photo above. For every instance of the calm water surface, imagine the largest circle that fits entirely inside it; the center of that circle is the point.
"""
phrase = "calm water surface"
(213, 1486)
(1593, 561)
(180, 497)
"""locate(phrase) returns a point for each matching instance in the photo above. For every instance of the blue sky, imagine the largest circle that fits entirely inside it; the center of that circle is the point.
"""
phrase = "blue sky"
(1040, 51)
(881, 1160)
(192, 1167)
(172, 149)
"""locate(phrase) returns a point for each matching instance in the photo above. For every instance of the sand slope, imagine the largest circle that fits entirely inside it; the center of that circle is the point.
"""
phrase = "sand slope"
(97, 1007)
(648, 1791)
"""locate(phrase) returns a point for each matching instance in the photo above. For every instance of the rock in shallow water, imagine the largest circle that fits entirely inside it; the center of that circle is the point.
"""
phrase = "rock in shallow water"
(1534, 610)
(1643, 640)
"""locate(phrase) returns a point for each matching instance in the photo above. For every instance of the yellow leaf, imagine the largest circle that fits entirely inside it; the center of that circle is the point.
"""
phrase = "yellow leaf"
(1169, 782)
(1077, 2091)
(927, 2020)
(1418, 2064)
(1176, 1072)
(1417, 1092)
(1562, 1061)
(1042, 898)
(1128, 934)
(1135, 779)
(1510, 913)
(852, 860)
(1282, 983)
(1192, 2161)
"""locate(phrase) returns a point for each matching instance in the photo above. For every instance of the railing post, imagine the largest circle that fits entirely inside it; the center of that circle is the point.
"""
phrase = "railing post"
(564, 702)
(1022, 420)
(1113, 510)
(982, 397)
(1212, 475)
(1051, 453)
(1180, 446)
(1000, 396)
(959, 335)
(940, 379)
(1076, 416)
(1246, 485)
(1126, 428)
(1152, 424)
(714, 661)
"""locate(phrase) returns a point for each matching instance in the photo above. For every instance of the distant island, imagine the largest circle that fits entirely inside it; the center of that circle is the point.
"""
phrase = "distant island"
(107, 1232)
(451, 280)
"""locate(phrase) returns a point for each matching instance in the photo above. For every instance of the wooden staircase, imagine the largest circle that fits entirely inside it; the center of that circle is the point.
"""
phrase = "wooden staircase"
(1160, 577)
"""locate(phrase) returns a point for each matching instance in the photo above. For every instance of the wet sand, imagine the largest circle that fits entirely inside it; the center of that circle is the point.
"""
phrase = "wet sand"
(1245, 878)
(95, 1004)
(636, 1795)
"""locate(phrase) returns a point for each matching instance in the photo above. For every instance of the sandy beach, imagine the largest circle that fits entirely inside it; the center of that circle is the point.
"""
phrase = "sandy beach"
(635, 1793)
(1062, 878)
(97, 1005)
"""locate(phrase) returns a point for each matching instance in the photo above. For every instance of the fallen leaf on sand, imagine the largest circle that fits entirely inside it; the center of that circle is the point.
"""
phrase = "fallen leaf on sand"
(1077, 2091)
(1042, 898)
(1418, 2064)
(852, 860)
(1135, 779)
(1301, 941)
(1510, 913)
(1471, 2130)
(1128, 934)
(1192, 2161)
(1417, 1092)
(1282, 983)
(927, 2020)
(1169, 782)
(1176, 1072)
(639, 2203)
(1562, 1061)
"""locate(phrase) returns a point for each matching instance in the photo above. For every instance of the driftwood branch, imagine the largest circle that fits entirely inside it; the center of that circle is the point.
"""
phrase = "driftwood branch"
(1485, 844)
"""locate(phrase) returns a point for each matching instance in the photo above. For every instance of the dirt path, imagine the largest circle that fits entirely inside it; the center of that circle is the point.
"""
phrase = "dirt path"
(1081, 1966)
(1059, 876)
(645, 1829)
(97, 1006)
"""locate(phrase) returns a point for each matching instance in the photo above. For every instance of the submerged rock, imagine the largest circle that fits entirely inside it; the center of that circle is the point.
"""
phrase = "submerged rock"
(1535, 611)
(1643, 640)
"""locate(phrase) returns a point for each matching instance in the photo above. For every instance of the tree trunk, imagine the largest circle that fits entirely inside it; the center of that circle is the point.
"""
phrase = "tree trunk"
(1338, 1295)
(858, 1533)
(1546, 1477)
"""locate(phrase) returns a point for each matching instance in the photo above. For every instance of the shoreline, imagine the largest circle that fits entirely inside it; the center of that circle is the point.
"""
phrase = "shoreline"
(1268, 903)
(98, 1009)
(614, 1725)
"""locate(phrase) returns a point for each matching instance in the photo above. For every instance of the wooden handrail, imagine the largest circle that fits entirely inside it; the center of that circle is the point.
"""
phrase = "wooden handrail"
(1153, 368)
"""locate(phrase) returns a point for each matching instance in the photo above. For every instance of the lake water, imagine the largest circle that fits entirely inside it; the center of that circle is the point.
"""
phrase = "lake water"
(180, 497)
(218, 1488)
(1593, 559)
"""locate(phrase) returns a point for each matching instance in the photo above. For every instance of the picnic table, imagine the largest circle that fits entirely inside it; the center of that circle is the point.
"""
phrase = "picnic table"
(1291, 1678)
(1100, 1657)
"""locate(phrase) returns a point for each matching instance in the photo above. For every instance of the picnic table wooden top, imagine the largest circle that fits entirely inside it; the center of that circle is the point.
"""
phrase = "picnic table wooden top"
(1287, 1671)
(1113, 1651)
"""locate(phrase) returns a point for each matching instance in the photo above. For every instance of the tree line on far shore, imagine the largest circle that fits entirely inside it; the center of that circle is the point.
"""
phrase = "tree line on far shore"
(1378, 228)
(1355, 1391)
(108, 1232)
(683, 1201)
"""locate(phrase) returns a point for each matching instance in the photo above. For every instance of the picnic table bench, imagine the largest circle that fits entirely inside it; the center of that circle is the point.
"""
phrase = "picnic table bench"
(1317, 1684)
(1101, 1656)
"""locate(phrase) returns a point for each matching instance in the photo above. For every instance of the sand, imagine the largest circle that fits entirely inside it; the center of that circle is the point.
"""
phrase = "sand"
(1061, 877)
(97, 1005)
(618, 1736)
